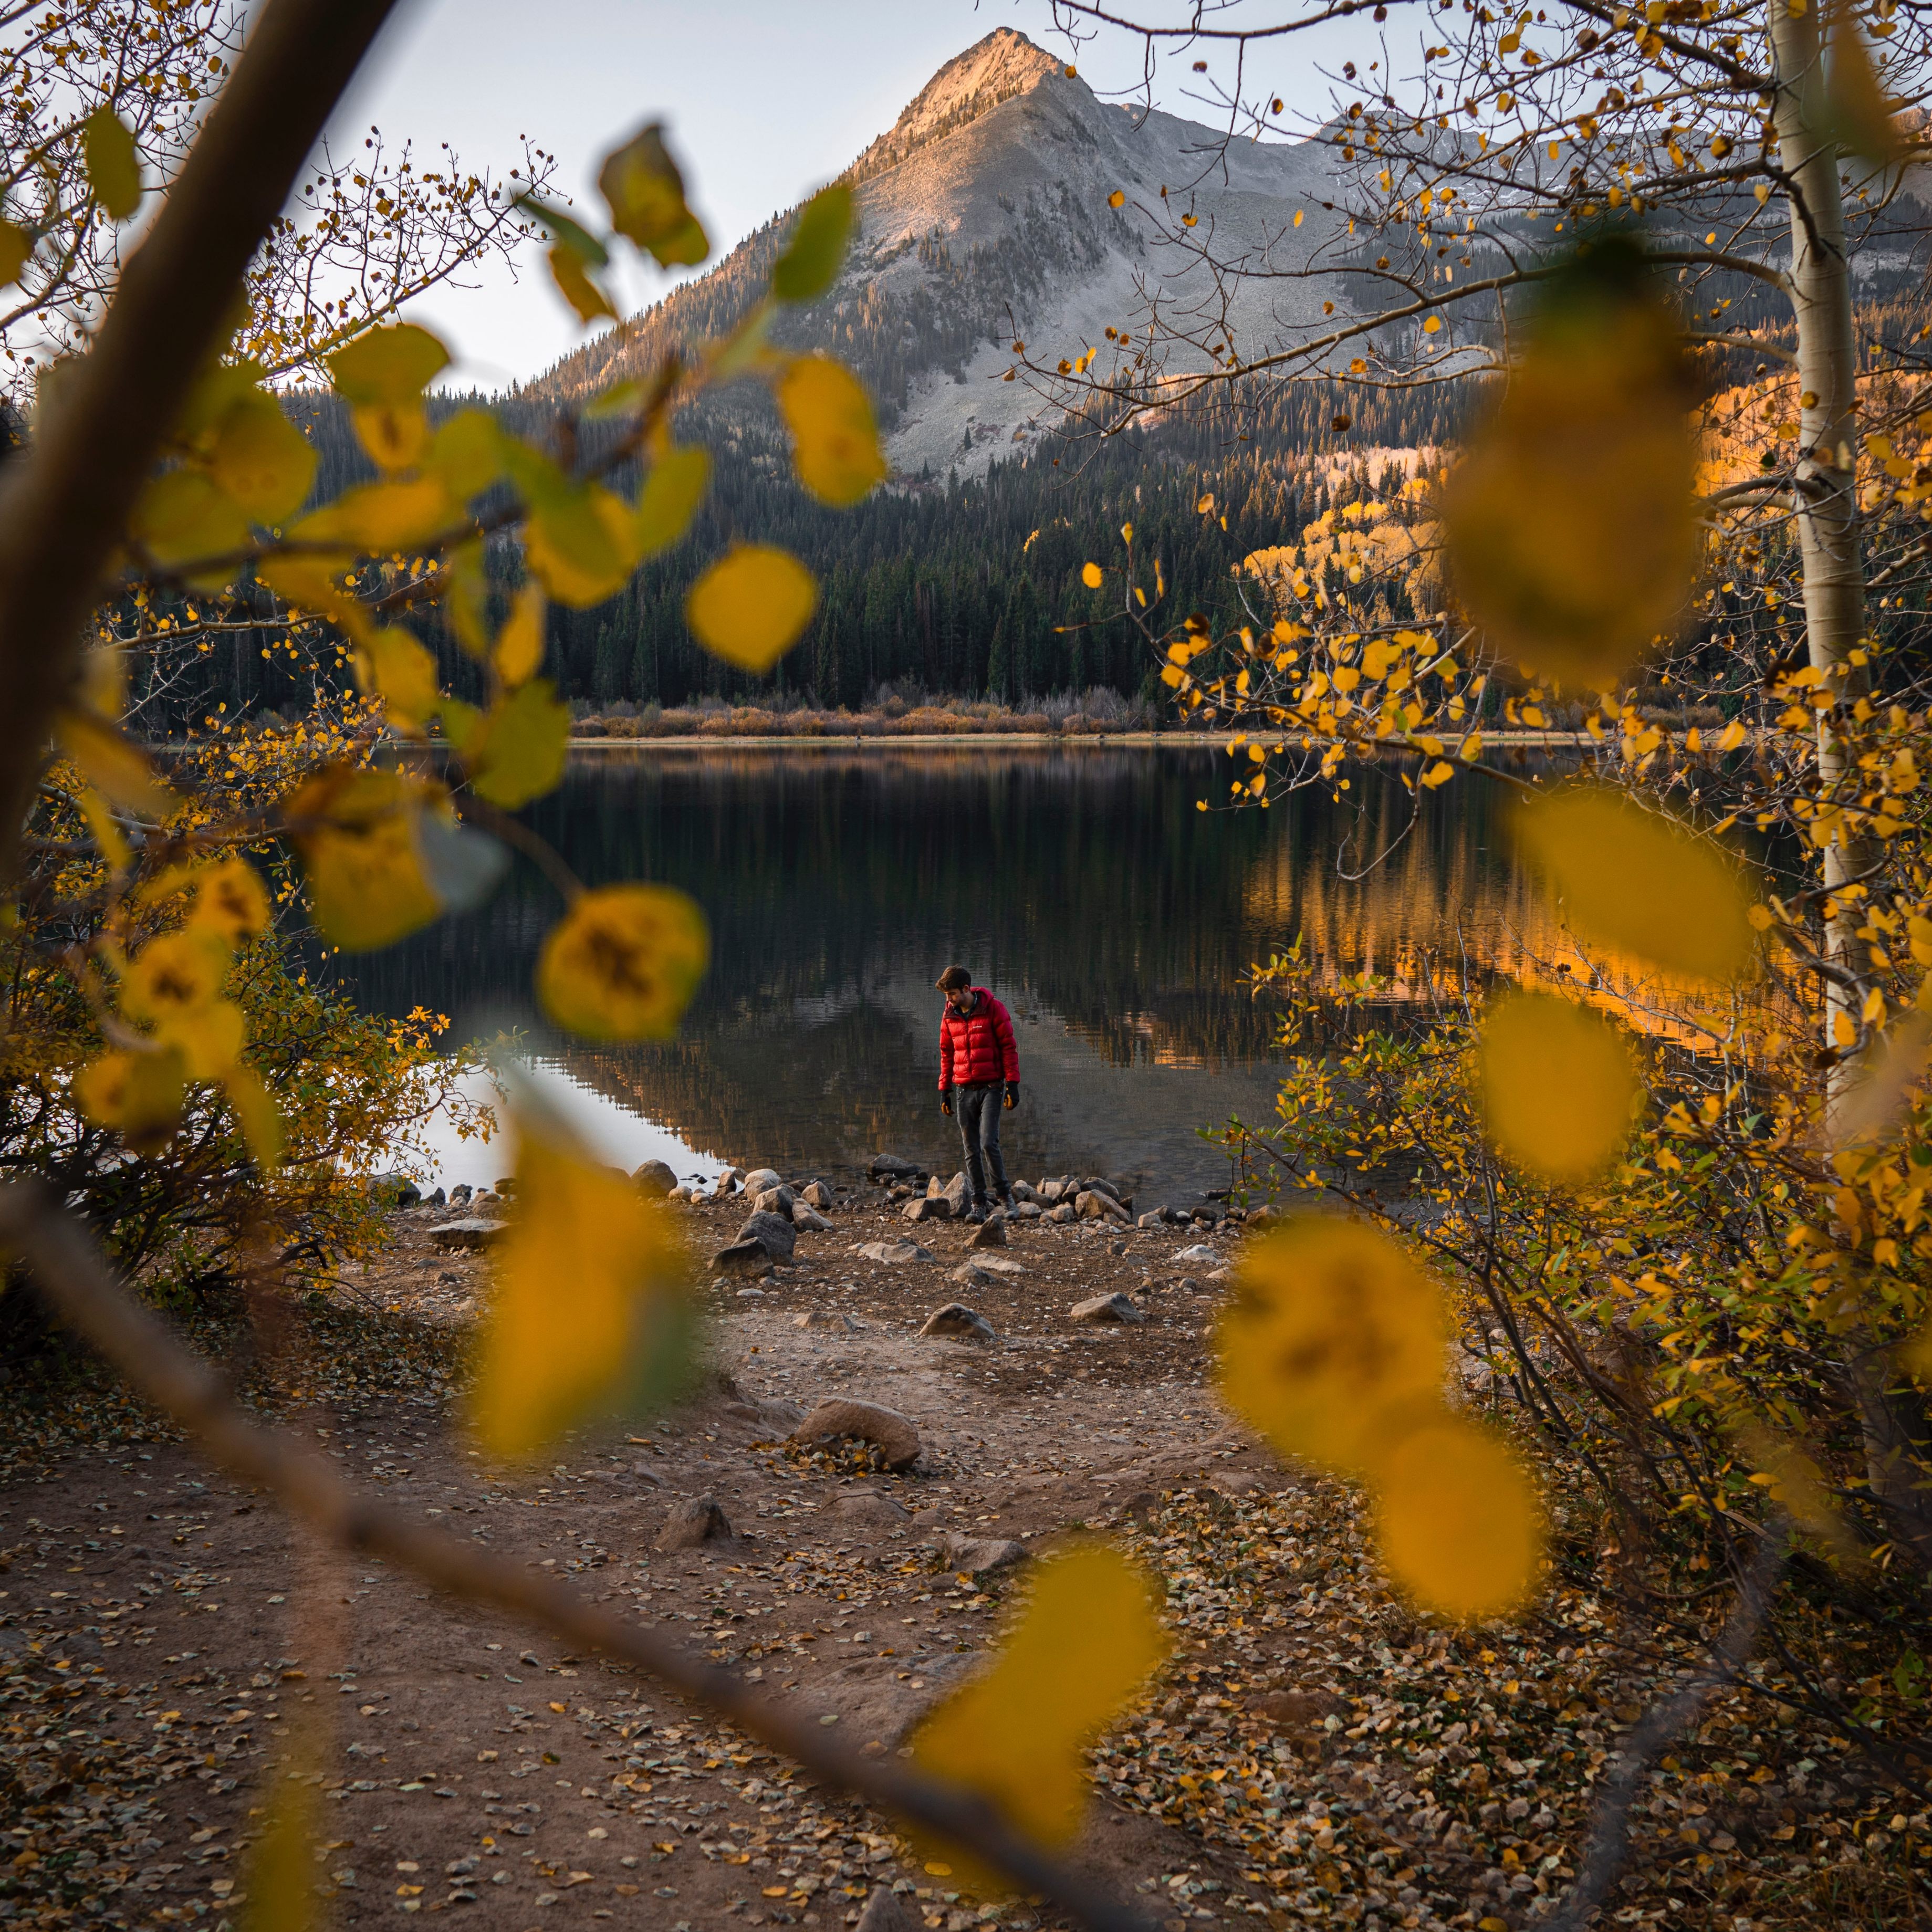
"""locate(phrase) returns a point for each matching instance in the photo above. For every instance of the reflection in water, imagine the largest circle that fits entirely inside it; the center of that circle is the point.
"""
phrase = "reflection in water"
(1114, 918)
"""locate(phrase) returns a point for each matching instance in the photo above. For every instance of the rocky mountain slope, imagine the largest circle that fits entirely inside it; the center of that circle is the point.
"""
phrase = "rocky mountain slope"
(983, 214)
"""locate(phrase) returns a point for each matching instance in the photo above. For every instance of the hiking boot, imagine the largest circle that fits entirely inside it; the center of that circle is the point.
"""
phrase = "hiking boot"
(976, 1213)
(1007, 1201)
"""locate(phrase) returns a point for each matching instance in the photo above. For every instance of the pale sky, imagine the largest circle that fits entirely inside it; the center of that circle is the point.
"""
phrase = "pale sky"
(765, 101)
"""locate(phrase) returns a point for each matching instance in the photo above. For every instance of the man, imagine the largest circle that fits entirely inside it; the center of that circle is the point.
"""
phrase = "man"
(979, 1068)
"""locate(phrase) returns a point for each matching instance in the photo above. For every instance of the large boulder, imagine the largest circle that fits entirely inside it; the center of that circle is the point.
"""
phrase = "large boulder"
(956, 1193)
(1092, 1204)
(774, 1233)
(890, 1167)
(778, 1200)
(656, 1178)
(809, 1218)
(759, 1178)
(978, 1557)
(892, 1254)
(742, 1258)
(727, 1180)
(886, 1911)
(816, 1194)
(394, 1190)
(930, 1207)
(473, 1230)
(896, 1435)
(695, 1520)
(992, 1232)
(956, 1319)
(1106, 1308)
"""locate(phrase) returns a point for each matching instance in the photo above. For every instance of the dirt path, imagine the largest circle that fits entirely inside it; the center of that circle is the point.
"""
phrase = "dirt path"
(1311, 1753)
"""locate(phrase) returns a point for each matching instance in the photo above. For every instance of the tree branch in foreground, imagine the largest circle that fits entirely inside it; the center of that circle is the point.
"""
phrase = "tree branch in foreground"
(73, 1276)
(1609, 1828)
(64, 509)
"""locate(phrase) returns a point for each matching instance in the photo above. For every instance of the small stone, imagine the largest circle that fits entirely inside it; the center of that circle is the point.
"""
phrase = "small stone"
(890, 1167)
(977, 1270)
(1298, 1710)
(892, 1254)
(981, 1556)
(435, 1199)
(475, 1231)
(957, 1194)
(460, 1194)
(868, 1507)
(1060, 1210)
(929, 1207)
(1106, 1308)
(1023, 1191)
(727, 1179)
(1092, 1204)
(749, 1293)
(896, 1435)
(1200, 1252)
(956, 1319)
(772, 1232)
(656, 1178)
(1050, 1191)
(1028, 1210)
(1095, 1184)
(759, 1178)
(803, 1215)
(780, 1200)
(825, 1318)
(394, 1190)
(886, 1911)
(698, 1520)
(742, 1258)
(1157, 1218)
(991, 1233)
(507, 1186)
(817, 1195)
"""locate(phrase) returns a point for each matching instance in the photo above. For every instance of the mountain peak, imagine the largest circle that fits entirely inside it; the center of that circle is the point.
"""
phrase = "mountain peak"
(993, 69)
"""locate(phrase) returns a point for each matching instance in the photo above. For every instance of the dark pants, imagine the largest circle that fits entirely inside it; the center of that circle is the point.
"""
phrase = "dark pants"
(979, 1110)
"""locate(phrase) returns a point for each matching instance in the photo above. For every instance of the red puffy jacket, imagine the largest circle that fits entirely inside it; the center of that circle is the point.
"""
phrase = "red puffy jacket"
(977, 1046)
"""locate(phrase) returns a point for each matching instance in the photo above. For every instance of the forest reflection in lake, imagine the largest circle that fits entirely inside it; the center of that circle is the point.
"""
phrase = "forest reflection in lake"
(1082, 884)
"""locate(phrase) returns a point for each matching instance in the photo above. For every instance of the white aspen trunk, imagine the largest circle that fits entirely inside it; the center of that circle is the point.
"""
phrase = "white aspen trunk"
(1892, 1419)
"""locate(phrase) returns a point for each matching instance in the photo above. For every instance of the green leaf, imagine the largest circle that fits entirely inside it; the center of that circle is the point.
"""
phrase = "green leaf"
(467, 453)
(260, 458)
(669, 498)
(810, 264)
(16, 246)
(621, 399)
(113, 164)
(646, 193)
(583, 546)
(517, 753)
(387, 367)
(574, 284)
(183, 514)
(573, 234)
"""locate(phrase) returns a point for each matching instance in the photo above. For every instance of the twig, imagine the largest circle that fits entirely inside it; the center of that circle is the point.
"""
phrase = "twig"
(72, 1274)
(1609, 1828)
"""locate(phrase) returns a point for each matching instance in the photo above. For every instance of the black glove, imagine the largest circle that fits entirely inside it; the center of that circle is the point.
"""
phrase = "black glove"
(1012, 1093)
(945, 1102)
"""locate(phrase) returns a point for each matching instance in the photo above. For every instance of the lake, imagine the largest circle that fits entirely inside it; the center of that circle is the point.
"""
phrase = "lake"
(1081, 883)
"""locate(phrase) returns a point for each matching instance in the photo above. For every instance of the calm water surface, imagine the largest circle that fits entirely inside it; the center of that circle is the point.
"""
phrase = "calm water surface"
(1082, 885)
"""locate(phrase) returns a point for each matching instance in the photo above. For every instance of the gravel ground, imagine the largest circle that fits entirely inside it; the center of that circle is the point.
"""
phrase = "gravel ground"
(169, 1652)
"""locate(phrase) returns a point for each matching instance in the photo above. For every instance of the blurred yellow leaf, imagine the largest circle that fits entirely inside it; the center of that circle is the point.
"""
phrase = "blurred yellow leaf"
(175, 974)
(183, 515)
(113, 162)
(590, 1313)
(355, 832)
(1458, 1521)
(1333, 1331)
(1571, 535)
(834, 439)
(1915, 1357)
(1557, 1084)
(279, 1875)
(230, 899)
(1638, 881)
(379, 517)
(752, 605)
(139, 1096)
(114, 763)
(396, 435)
(260, 459)
(519, 643)
(1091, 575)
(623, 963)
(257, 1115)
(575, 284)
(16, 250)
(811, 261)
(1852, 109)
(465, 597)
(467, 451)
(516, 753)
(392, 664)
(669, 498)
(1798, 1485)
(581, 545)
(1088, 1637)
(645, 192)
(387, 367)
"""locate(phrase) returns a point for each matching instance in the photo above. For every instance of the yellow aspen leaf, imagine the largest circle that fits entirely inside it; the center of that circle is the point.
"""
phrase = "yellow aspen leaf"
(669, 498)
(519, 643)
(113, 162)
(590, 1312)
(1557, 1084)
(107, 835)
(209, 1038)
(1087, 1638)
(387, 367)
(1091, 575)
(575, 284)
(1458, 1521)
(812, 258)
(1332, 1330)
(465, 597)
(312, 583)
(392, 663)
(386, 516)
(645, 192)
(517, 752)
(1852, 109)
(581, 545)
(231, 900)
(114, 765)
(137, 1095)
(1439, 773)
(1570, 532)
(835, 438)
(183, 515)
(356, 831)
(260, 459)
(1732, 735)
(396, 435)
(16, 250)
(280, 1876)
(467, 451)
(1432, 326)
(174, 974)
(257, 1115)
(1638, 881)
(624, 962)
(752, 605)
